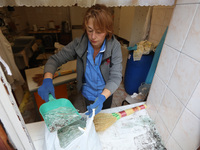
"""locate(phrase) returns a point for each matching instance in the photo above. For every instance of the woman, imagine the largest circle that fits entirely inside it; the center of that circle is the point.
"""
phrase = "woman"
(99, 60)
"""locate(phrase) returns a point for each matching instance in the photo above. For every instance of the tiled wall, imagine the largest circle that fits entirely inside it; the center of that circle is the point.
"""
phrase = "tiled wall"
(25, 17)
(161, 16)
(19, 18)
(174, 98)
(16, 19)
(41, 16)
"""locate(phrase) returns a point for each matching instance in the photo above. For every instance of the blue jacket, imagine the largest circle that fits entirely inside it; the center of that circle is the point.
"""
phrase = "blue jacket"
(111, 65)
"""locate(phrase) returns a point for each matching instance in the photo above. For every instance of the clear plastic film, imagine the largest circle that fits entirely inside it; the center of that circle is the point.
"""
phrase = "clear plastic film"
(60, 117)
(67, 134)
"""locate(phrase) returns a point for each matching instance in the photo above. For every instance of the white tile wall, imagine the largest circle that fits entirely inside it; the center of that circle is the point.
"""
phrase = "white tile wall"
(187, 131)
(170, 110)
(171, 144)
(167, 62)
(192, 46)
(187, 1)
(157, 91)
(185, 78)
(151, 109)
(179, 25)
(162, 129)
(177, 78)
(194, 103)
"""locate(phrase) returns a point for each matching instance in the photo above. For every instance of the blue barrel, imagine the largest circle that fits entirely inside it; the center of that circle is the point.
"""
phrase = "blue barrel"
(136, 72)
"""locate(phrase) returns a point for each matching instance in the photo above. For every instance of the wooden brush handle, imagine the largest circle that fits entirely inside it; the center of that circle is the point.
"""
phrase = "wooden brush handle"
(64, 72)
(128, 111)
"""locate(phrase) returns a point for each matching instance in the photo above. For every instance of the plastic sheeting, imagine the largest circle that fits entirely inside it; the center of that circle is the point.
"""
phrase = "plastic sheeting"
(152, 69)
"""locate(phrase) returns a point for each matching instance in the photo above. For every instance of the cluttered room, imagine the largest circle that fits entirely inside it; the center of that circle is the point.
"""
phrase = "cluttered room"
(133, 85)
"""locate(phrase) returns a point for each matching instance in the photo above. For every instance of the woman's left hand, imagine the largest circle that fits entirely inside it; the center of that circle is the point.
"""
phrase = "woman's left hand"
(97, 105)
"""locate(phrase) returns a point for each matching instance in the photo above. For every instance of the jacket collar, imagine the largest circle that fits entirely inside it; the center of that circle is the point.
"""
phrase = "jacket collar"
(82, 45)
(109, 45)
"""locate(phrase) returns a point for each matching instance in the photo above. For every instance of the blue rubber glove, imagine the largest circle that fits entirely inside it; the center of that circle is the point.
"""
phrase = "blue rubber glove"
(97, 105)
(46, 88)
(89, 111)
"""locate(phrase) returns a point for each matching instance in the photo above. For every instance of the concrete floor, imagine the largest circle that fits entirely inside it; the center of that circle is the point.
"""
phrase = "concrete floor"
(29, 114)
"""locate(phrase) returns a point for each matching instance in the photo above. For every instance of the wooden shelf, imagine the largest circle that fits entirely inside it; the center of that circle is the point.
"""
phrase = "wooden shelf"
(44, 31)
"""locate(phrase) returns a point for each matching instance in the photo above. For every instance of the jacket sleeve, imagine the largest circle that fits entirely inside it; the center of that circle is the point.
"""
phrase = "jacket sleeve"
(115, 73)
(66, 54)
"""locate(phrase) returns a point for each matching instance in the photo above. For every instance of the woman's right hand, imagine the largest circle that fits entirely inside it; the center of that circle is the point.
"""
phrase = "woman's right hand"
(46, 88)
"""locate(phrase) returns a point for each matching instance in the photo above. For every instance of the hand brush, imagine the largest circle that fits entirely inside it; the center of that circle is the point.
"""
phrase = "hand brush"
(38, 78)
(102, 121)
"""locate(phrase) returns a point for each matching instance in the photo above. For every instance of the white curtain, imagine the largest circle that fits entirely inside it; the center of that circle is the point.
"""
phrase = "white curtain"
(115, 3)
(37, 3)
(85, 3)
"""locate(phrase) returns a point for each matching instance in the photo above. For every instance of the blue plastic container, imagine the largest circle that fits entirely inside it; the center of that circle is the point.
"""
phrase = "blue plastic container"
(136, 72)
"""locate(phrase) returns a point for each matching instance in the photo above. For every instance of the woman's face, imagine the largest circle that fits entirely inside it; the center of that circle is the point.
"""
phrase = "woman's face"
(96, 37)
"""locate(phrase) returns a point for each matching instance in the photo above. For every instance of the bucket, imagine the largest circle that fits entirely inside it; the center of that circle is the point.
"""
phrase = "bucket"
(58, 113)
(136, 72)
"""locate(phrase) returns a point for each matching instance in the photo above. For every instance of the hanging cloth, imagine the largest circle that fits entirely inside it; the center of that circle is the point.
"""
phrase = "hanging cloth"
(7, 55)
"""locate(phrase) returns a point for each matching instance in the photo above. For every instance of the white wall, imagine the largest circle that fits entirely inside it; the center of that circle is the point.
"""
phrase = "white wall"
(76, 18)
(137, 32)
(174, 98)
(126, 22)
(116, 20)
(129, 23)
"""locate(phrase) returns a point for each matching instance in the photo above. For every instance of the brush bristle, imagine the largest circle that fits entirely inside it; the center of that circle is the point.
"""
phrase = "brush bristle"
(102, 121)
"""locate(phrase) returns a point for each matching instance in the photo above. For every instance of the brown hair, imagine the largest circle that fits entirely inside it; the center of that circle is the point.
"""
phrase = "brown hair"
(103, 20)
